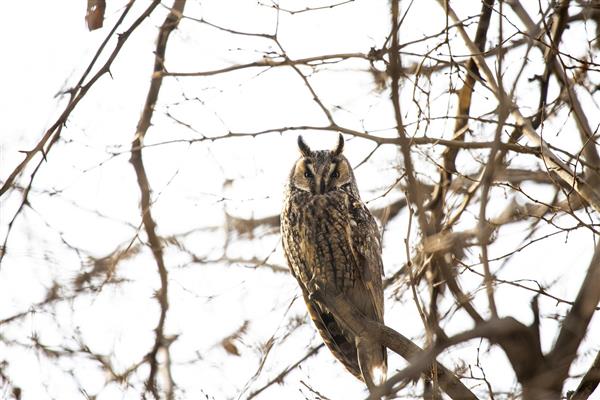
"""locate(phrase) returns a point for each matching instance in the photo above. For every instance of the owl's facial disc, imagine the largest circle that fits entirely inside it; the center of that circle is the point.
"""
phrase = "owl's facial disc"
(303, 175)
(340, 173)
(321, 172)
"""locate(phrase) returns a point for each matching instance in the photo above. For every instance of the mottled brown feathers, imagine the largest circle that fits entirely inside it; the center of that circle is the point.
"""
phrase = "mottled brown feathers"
(330, 237)
(304, 149)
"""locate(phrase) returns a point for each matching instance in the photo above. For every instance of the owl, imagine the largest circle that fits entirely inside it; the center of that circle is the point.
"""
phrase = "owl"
(331, 239)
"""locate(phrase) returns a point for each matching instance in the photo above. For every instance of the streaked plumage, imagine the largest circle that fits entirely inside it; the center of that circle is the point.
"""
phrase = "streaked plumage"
(330, 237)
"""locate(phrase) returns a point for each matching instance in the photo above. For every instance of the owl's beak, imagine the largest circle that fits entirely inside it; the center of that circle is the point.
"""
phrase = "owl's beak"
(322, 186)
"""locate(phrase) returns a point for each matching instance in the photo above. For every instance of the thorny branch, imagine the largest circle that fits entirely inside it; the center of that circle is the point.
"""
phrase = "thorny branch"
(77, 93)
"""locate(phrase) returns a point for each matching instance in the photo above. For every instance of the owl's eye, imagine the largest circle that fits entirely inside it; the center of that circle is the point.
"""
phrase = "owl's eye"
(335, 174)
(307, 174)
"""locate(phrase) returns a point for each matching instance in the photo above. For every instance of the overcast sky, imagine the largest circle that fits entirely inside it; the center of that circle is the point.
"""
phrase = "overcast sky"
(85, 200)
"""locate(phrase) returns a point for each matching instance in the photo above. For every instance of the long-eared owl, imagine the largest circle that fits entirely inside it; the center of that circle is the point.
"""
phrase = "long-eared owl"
(331, 238)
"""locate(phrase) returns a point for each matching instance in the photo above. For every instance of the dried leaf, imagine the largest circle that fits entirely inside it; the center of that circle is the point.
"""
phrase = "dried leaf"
(228, 343)
(230, 347)
(94, 17)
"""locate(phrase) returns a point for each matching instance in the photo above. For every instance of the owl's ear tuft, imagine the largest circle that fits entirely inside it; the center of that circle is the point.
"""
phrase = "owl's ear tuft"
(340, 146)
(304, 149)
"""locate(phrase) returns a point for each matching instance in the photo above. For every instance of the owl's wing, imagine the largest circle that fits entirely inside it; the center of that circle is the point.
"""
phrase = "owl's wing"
(367, 248)
(317, 248)
(329, 240)
(340, 245)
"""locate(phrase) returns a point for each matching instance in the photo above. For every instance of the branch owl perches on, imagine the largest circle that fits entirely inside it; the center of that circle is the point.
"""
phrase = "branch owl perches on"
(330, 239)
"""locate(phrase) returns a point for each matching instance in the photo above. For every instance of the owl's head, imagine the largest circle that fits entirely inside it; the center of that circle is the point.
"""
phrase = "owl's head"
(322, 171)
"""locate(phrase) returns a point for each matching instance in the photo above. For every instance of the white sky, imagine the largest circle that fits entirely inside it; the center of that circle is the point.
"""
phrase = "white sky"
(47, 47)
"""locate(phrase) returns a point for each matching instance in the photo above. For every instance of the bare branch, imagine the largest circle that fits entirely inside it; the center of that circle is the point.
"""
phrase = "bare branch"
(575, 324)
(388, 337)
(589, 382)
(554, 163)
(53, 132)
(170, 23)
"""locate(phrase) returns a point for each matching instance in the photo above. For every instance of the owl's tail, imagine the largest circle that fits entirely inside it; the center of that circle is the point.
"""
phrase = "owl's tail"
(372, 359)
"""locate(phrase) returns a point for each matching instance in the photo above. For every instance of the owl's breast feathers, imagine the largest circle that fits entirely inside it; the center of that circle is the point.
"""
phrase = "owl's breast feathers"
(333, 239)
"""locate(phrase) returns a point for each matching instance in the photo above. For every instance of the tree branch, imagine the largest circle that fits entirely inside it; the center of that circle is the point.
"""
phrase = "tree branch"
(398, 343)
(161, 342)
